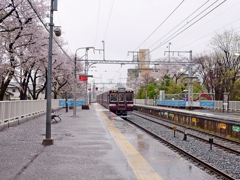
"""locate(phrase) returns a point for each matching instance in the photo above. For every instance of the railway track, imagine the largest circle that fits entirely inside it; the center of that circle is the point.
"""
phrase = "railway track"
(204, 164)
(220, 142)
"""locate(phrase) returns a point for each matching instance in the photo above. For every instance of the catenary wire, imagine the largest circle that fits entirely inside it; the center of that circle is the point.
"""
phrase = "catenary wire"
(211, 33)
(99, 4)
(64, 34)
(180, 23)
(187, 23)
(172, 37)
(109, 17)
(160, 25)
(35, 11)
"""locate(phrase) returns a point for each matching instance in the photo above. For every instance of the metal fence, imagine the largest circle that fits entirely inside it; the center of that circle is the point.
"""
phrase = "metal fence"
(218, 105)
(14, 110)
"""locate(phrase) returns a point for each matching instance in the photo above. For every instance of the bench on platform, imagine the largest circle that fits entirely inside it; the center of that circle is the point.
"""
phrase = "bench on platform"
(53, 116)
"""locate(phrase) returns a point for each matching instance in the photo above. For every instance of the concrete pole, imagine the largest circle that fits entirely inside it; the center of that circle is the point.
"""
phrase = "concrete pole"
(48, 140)
(190, 86)
(75, 86)
(103, 50)
(86, 73)
(169, 52)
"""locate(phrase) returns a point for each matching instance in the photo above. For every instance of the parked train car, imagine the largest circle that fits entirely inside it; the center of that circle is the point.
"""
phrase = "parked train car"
(118, 100)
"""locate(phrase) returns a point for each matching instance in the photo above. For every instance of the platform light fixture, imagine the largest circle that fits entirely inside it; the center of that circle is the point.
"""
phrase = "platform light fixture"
(75, 75)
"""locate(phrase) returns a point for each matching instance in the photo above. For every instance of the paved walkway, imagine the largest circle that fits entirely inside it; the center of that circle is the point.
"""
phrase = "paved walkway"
(83, 149)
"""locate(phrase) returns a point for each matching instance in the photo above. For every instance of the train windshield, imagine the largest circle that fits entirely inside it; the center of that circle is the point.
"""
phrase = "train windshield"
(121, 97)
(113, 97)
(129, 97)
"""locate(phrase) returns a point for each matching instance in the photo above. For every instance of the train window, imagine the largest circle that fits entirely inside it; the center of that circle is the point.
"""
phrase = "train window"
(121, 97)
(113, 97)
(129, 97)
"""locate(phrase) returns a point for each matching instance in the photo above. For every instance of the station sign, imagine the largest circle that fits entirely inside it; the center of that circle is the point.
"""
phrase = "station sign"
(223, 126)
(194, 119)
(171, 115)
(83, 78)
(236, 128)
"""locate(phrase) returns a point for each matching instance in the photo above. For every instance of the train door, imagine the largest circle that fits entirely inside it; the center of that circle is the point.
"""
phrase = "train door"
(121, 101)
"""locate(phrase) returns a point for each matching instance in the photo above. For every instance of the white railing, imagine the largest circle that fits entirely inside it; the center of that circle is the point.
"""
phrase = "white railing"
(233, 105)
(15, 110)
(218, 105)
(144, 101)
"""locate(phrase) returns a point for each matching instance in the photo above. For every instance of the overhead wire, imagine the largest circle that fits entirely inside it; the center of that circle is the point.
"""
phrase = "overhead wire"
(212, 33)
(64, 34)
(173, 36)
(99, 4)
(35, 11)
(186, 23)
(160, 24)
(109, 17)
(181, 22)
(217, 29)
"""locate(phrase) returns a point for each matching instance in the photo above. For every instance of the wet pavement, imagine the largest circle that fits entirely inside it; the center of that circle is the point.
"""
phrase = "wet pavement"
(168, 164)
(83, 149)
(224, 115)
(94, 145)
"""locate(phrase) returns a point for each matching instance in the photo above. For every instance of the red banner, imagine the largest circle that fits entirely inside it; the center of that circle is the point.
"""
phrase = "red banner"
(83, 78)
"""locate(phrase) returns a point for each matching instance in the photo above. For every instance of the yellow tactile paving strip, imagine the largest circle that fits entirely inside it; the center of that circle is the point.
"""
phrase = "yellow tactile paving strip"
(139, 165)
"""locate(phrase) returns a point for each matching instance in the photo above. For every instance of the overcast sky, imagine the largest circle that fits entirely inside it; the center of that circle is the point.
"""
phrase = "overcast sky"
(130, 25)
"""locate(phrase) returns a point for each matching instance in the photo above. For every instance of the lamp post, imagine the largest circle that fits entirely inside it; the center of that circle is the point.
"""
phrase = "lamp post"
(75, 75)
(86, 72)
(169, 44)
(48, 140)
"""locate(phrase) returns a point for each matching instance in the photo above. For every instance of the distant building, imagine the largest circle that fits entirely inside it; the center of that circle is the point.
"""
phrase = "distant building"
(7, 96)
(15, 94)
(140, 70)
(13, 88)
(144, 55)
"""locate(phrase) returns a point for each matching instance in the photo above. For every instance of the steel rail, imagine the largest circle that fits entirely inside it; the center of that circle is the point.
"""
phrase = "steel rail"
(185, 153)
(227, 148)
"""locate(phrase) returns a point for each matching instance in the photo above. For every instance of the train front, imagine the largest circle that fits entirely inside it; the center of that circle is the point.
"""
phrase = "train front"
(121, 101)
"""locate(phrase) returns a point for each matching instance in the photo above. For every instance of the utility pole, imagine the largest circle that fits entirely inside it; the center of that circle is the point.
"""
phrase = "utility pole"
(169, 51)
(190, 84)
(135, 55)
(48, 141)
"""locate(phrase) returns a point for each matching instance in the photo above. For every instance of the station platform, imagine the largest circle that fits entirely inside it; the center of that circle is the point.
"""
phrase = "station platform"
(214, 113)
(94, 145)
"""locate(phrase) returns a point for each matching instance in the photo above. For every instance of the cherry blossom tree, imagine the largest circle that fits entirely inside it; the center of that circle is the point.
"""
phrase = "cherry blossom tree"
(19, 27)
(219, 68)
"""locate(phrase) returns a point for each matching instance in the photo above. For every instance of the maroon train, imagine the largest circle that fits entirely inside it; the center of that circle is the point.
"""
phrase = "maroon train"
(118, 100)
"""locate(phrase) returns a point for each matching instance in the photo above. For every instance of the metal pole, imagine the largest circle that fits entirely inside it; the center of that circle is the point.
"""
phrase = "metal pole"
(169, 52)
(94, 90)
(66, 99)
(89, 95)
(75, 75)
(75, 85)
(190, 86)
(103, 50)
(48, 140)
(86, 64)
